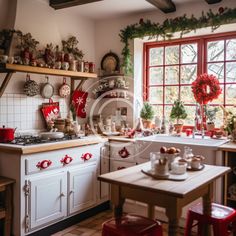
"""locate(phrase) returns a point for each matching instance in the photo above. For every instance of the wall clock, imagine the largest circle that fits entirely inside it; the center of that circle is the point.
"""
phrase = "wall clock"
(110, 62)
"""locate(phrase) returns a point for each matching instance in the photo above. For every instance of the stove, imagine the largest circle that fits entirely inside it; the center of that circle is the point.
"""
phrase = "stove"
(26, 140)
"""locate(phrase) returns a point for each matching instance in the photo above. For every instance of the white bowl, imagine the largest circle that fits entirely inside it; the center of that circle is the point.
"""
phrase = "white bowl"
(51, 135)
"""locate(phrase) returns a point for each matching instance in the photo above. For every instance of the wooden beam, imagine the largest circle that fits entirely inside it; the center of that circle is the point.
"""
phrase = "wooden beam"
(5, 82)
(166, 6)
(59, 4)
(212, 1)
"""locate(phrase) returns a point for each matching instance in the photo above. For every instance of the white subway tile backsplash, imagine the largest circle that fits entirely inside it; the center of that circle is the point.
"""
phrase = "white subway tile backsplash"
(18, 110)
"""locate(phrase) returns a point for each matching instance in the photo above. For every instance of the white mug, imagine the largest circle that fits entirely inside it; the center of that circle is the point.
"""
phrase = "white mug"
(65, 65)
(3, 58)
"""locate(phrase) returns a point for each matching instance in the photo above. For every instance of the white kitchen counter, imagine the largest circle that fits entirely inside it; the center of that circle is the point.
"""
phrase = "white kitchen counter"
(12, 148)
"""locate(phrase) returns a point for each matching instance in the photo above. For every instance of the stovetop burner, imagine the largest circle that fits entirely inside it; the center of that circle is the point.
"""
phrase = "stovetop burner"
(26, 140)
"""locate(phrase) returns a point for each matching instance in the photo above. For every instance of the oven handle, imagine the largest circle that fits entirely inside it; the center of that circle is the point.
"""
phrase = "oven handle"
(44, 164)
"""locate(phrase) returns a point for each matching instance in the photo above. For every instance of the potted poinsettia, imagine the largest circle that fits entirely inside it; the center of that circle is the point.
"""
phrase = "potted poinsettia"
(147, 114)
(179, 113)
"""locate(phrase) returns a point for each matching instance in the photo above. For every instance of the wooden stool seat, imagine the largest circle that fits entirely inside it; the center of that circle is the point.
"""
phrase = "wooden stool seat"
(6, 210)
(222, 218)
(131, 225)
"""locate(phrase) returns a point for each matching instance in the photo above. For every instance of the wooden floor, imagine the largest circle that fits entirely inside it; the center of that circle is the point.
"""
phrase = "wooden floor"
(93, 226)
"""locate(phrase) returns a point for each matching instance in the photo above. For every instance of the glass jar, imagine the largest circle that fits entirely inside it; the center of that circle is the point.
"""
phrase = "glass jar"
(154, 156)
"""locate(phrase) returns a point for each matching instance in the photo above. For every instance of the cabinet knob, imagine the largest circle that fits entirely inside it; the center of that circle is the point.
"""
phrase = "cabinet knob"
(72, 191)
(44, 164)
(66, 160)
(62, 195)
(86, 156)
(124, 153)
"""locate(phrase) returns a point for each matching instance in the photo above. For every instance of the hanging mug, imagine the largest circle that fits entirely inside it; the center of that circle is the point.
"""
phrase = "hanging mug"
(65, 65)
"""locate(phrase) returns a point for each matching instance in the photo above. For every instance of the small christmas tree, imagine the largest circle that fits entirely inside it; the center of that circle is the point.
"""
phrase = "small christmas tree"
(147, 112)
(178, 111)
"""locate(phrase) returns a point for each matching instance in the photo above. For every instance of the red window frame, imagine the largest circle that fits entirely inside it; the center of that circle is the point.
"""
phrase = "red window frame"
(201, 63)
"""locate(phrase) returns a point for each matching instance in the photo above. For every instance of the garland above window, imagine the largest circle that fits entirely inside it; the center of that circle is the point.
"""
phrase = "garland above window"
(181, 24)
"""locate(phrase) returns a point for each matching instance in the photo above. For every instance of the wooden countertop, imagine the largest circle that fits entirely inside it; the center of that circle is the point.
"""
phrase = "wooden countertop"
(9, 148)
(228, 147)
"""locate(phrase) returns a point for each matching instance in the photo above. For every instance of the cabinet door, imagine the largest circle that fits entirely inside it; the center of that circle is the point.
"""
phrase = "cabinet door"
(82, 188)
(104, 194)
(47, 199)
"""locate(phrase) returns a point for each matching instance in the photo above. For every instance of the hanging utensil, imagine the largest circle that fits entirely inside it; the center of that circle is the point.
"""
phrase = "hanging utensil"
(64, 90)
(47, 89)
(31, 88)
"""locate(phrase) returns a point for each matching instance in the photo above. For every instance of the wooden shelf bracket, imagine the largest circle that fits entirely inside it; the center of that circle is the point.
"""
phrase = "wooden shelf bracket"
(5, 82)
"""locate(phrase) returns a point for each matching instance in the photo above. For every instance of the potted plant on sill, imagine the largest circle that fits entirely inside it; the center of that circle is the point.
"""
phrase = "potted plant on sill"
(179, 113)
(147, 114)
(210, 113)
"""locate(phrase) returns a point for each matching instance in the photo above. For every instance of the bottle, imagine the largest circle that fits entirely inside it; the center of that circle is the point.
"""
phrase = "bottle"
(163, 126)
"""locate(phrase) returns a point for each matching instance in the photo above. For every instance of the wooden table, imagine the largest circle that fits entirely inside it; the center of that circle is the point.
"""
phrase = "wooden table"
(172, 195)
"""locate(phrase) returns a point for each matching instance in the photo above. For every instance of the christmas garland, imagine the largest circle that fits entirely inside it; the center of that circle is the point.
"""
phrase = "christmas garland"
(181, 24)
(206, 88)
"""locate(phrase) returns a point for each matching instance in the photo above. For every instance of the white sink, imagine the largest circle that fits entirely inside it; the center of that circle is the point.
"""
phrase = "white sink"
(185, 140)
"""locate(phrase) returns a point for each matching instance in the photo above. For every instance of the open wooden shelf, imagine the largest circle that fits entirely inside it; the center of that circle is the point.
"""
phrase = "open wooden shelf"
(12, 68)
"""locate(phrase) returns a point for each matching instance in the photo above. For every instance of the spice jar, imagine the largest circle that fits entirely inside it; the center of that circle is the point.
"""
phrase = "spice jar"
(86, 66)
(91, 67)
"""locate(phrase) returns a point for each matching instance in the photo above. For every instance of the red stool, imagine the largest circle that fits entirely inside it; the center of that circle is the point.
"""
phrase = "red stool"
(131, 225)
(222, 218)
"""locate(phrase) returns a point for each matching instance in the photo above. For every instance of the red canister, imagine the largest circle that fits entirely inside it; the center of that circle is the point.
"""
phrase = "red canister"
(91, 67)
(6, 134)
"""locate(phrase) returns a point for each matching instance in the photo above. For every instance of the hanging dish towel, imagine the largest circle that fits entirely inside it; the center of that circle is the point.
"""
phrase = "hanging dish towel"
(79, 102)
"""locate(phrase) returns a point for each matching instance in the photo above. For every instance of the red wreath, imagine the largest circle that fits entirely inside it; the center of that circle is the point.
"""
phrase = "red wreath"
(206, 88)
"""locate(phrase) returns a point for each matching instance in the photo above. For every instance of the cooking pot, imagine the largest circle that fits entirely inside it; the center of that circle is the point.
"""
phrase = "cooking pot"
(6, 134)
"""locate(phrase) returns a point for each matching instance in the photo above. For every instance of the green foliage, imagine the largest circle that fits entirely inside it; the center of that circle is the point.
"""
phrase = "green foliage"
(230, 123)
(181, 24)
(27, 41)
(178, 111)
(70, 46)
(147, 112)
(211, 113)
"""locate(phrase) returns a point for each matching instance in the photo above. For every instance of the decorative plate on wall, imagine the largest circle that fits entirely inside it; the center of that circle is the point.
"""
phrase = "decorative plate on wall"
(110, 62)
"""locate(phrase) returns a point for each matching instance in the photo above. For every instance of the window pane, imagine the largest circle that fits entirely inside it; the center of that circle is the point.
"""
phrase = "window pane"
(172, 75)
(217, 69)
(172, 55)
(167, 112)
(231, 94)
(191, 115)
(188, 74)
(220, 99)
(156, 56)
(171, 94)
(230, 49)
(189, 53)
(215, 51)
(219, 118)
(158, 110)
(156, 75)
(186, 95)
(156, 95)
(231, 72)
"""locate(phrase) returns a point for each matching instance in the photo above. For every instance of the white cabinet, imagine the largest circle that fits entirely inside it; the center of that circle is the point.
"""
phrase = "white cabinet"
(46, 199)
(82, 188)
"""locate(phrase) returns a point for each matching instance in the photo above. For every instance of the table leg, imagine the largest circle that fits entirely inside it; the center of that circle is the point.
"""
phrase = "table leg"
(173, 212)
(117, 200)
(207, 200)
(151, 211)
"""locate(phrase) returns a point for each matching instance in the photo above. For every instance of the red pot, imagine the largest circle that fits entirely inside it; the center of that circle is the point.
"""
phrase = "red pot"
(6, 134)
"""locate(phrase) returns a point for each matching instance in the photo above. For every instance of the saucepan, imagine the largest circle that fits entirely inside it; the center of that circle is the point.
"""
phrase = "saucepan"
(7, 134)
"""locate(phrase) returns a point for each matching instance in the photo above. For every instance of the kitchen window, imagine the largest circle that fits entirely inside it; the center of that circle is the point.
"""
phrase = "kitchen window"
(171, 66)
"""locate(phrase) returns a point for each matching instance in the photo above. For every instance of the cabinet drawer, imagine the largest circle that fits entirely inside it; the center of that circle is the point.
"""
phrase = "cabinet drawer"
(35, 163)
(122, 151)
(118, 165)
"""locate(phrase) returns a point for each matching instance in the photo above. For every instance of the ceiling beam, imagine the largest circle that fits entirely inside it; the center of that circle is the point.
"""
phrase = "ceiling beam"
(59, 4)
(166, 6)
(212, 1)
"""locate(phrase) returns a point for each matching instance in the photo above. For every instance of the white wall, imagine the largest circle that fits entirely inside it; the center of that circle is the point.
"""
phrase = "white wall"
(107, 36)
(47, 26)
